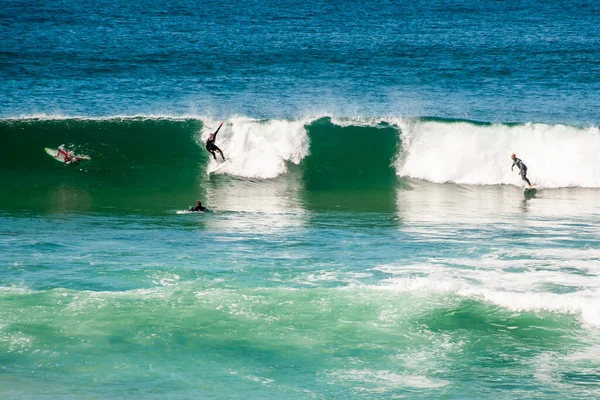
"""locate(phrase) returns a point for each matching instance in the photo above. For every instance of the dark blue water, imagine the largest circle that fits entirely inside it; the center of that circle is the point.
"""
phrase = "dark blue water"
(496, 61)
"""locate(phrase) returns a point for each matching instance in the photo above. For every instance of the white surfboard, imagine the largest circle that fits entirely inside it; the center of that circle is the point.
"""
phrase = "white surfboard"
(61, 157)
(218, 166)
(55, 154)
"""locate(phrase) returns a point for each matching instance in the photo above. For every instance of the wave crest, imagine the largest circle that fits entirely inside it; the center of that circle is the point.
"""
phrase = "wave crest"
(257, 149)
(479, 154)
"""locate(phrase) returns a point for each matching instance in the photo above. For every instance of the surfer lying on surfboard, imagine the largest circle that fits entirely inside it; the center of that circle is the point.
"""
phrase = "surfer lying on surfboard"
(211, 146)
(522, 168)
(69, 156)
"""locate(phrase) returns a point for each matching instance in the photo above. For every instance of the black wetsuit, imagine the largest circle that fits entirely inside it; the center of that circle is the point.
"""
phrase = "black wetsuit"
(212, 147)
(198, 208)
(523, 168)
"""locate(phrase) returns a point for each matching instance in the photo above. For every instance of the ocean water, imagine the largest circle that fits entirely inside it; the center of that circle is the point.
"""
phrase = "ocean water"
(367, 238)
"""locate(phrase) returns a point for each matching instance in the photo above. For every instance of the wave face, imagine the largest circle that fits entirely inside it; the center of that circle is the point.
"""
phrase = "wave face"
(137, 160)
(145, 163)
(123, 150)
(350, 156)
(479, 154)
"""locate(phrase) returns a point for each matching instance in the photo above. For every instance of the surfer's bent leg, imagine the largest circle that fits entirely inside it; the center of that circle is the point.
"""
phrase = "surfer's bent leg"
(220, 152)
(210, 149)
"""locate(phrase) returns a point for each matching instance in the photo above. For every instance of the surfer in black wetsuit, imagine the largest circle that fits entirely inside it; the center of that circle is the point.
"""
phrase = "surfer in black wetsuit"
(522, 168)
(211, 146)
(198, 207)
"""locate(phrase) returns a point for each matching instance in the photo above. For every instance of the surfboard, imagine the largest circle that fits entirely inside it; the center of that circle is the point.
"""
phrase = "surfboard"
(529, 192)
(61, 157)
(193, 212)
(53, 154)
(219, 166)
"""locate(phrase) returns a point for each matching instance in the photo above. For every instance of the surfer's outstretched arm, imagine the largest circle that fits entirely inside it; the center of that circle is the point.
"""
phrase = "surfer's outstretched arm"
(217, 131)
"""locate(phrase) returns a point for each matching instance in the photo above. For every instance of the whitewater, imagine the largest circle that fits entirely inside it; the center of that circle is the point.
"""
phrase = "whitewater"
(461, 152)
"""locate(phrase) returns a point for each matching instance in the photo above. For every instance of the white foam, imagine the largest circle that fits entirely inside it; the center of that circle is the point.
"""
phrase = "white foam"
(117, 117)
(385, 381)
(357, 121)
(15, 290)
(257, 149)
(465, 153)
(15, 341)
(525, 291)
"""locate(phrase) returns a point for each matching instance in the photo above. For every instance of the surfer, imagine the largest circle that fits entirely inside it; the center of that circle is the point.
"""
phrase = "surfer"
(211, 146)
(61, 150)
(69, 156)
(198, 207)
(522, 168)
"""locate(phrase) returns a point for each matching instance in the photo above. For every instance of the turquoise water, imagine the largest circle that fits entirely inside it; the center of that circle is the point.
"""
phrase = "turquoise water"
(432, 300)
(340, 277)
(367, 237)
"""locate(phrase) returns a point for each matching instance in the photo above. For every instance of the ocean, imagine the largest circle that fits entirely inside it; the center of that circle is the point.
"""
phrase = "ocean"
(366, 238)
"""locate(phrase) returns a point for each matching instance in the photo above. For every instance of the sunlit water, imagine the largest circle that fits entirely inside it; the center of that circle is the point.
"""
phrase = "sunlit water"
(458, 292)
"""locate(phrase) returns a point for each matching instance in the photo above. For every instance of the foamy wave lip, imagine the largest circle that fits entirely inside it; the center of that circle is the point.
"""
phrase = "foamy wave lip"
(359, 121)
(118, 117)
(584, 303)
(15, 290)
(492, 279)
(319, 277)
(257, 149)
(466, 153)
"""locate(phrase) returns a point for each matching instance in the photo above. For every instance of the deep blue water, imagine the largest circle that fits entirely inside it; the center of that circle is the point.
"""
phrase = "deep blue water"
(500, 61)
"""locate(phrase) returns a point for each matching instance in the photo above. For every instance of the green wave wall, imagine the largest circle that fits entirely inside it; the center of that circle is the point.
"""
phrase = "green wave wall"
(140, 163)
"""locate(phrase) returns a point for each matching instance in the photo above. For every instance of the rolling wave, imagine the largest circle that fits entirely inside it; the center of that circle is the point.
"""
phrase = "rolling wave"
(479, 154)
(260, 149)
(361, 153)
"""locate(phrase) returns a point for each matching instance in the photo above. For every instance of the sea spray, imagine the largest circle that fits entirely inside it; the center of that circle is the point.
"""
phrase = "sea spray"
(258, 149)
(479, 153)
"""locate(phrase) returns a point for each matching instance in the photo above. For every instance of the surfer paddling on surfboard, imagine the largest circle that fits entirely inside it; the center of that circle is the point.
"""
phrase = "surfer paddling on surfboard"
(198, 207)
(522, 168)
(211, 146)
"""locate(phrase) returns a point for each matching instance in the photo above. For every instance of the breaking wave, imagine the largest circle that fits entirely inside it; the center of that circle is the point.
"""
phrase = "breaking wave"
(327, 152)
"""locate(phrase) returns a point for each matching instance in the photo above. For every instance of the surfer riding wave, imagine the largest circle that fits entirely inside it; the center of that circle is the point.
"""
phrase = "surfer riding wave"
(211, 146)
(522, 168)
